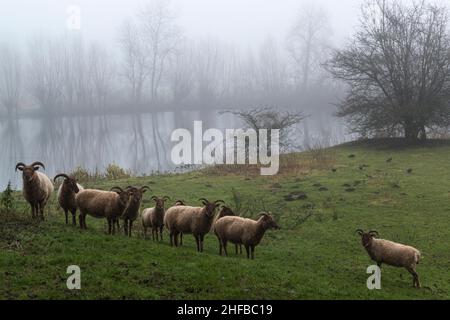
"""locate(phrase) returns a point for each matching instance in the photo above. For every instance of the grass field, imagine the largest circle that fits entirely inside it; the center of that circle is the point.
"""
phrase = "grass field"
(316, 254)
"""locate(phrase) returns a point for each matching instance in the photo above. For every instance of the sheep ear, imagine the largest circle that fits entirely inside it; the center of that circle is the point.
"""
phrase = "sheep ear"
(36, 168)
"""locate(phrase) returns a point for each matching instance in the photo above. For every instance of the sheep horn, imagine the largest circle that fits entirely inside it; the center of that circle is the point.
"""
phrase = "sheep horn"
(263, 214)
(117, 188)
(166, 198)
(154, 198)
(63, 175)
(359, 231)
(38, 163)
(20, 164)
(219, 201)
(146, 188)
(374, 232)
(203, 200)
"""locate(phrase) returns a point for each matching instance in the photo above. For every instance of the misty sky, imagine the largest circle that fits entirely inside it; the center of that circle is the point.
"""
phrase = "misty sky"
(243, 22)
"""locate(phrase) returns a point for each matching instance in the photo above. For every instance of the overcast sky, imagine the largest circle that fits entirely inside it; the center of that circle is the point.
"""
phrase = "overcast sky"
(244, 22)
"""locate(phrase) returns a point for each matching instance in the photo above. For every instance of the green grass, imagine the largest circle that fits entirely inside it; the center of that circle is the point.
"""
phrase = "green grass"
(316, 254)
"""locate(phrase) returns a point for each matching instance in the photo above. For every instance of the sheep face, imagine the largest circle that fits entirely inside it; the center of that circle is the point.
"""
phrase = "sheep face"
(210, 207)
(268, 221)
(366, 237)
(69, 182)
(28, 171)
(160, 202)
(124, 195)
(137, 194)
(225, 211)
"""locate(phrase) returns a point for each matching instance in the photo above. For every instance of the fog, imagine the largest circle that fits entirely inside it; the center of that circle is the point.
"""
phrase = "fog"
(113, 90)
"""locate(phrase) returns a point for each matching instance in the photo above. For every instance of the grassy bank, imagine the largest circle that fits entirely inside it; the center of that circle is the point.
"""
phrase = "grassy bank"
(316, 254)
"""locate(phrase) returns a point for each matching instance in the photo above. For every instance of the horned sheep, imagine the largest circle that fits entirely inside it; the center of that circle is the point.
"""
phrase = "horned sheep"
(102, 204)
(243, 231)
(194, 220)
(391, 253)
(66, 195)
(154, 218)
(131, 213)
(37, 187)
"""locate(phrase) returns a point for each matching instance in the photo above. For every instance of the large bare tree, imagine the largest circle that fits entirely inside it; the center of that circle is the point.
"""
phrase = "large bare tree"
(398, 70)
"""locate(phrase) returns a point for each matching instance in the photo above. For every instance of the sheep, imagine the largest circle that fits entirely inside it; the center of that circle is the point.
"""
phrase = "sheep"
(102, 204)
(195, 220)
(180, 203)
(154, 218)
(37, 187)
(132, 211)
(66, 195)
(239, 230)
(391, 253)
(225, 212)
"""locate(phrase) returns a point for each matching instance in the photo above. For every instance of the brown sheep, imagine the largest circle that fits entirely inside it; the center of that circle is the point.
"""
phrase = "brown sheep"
(102, 204)
(37, 187)
(391, 253)
(194, 220)
(154, 218)
(66, 195)
(239, 230)
(132, 211)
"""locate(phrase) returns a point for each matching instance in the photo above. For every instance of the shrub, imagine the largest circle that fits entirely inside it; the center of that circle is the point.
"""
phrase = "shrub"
(114, 172)
(7, 199)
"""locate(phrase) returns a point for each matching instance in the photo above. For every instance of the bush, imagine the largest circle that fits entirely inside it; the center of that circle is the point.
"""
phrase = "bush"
(114, 172)
(7, 200)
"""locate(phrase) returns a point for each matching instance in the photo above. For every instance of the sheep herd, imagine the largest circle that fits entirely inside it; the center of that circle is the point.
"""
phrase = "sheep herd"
(124, 204)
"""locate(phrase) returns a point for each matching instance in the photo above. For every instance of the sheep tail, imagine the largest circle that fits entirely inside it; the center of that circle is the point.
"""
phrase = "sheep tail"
(417, 257)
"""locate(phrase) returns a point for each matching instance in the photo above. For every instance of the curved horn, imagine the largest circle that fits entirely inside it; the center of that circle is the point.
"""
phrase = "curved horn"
(374, 232)
(263, 214)
(359, 231)
(38, 163)
(117, 188)
(166, 198)
(219, 201)
(154, 198)
(145, 188)
(204, 200)
(182, 202)
(20, 164)
(63, 175)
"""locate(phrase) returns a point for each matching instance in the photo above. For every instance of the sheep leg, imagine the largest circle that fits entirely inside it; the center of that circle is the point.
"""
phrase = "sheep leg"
(181, 238)
(130, 228)
(175, 238)
(416, 282)
(33, 211)
(225, 247)
(125, 226)
(220, 246)
(109, 225)
(74, 218)
(197, 241)
(247, 249)
(160, 232)
(41, 211)
(252, 251)
(171, 238)
(67, 215)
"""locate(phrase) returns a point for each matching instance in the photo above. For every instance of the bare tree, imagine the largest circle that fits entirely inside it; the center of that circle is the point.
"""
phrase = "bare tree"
(398, 70)
(270, 118)
(308, 43)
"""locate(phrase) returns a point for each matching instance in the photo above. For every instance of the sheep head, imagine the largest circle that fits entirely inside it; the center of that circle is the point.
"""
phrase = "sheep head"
(160, 202)
(225, 211)
(69, 182)
(137, 193)
(124, 195)
(28, 171)
(180, 203)
(268, 221)
(366, 237)
(210, 207)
